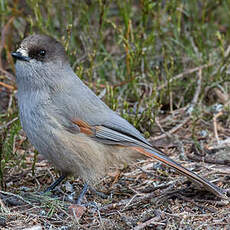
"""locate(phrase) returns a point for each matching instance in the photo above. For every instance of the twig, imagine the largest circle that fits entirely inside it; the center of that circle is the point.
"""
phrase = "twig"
(215, 125)
(10, 102)
(162, 129)
(155, 220)
(198, 88)
(136, 199)
(207, 159)
(130, 201)
(125, 201)
(8, 75)
(3, 207)
(215, 122)
(17, 196)
(173, 130)
(181, 75)
(9, 123)
(193, 103)
(10, 87)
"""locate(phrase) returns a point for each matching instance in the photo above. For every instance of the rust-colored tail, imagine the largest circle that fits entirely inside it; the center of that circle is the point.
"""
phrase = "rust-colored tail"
(191, 175)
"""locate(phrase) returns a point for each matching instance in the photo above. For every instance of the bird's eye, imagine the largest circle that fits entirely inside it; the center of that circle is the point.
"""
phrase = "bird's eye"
(42, 53)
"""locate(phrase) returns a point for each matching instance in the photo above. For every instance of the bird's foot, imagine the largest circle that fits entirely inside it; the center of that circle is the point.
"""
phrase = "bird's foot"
(54, 184)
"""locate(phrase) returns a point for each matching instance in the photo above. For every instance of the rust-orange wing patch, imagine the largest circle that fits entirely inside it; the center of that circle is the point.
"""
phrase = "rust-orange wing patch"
(84, 127)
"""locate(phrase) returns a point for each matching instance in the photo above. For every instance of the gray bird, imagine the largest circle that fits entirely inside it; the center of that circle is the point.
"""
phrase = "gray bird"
(70, 125)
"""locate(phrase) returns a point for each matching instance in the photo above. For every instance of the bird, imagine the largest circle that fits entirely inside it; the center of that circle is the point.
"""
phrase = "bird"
(71, 126)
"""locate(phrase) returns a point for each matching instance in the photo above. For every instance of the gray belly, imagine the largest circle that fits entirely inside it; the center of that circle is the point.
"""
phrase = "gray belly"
(40, 129)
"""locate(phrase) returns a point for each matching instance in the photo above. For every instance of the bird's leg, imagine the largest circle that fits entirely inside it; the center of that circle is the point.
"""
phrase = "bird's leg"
(83, 192)
(85, 189)
(55, 183)
(89, 204)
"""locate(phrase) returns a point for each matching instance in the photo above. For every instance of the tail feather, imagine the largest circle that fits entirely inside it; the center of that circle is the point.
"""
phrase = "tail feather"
(191, 175)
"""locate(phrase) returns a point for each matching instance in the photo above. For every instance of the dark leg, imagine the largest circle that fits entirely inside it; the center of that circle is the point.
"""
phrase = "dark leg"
(85, 189)
(55, 183)
(83, 192)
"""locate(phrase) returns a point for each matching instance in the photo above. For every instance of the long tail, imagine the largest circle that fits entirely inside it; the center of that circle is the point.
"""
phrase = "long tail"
(153, 153)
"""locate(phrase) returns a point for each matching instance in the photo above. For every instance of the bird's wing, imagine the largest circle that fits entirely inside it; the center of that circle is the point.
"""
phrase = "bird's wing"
(111, 134)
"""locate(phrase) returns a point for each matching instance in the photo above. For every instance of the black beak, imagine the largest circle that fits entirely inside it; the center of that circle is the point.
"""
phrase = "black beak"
(18, 55)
